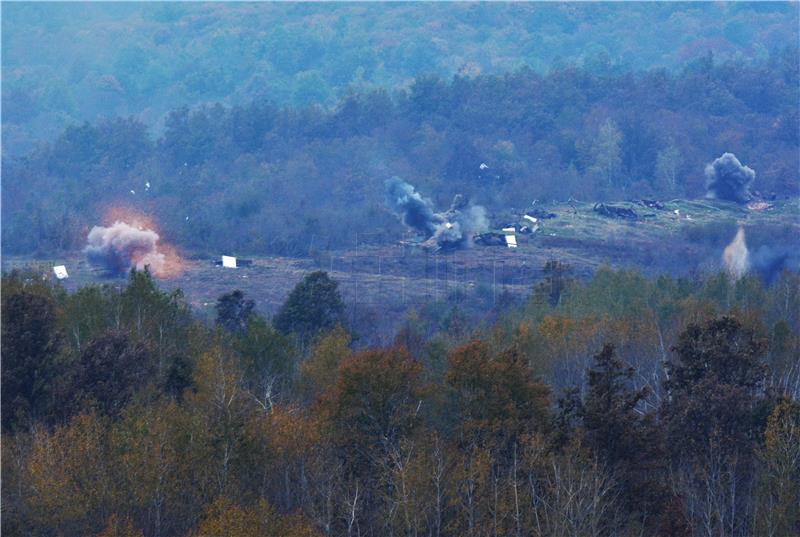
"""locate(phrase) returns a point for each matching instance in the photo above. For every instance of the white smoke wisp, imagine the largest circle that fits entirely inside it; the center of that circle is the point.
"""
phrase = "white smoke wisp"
(736, 257)
(121, 246)
(473, 221)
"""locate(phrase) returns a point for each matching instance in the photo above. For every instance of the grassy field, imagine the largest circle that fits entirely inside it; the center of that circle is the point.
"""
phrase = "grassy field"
(381, 282)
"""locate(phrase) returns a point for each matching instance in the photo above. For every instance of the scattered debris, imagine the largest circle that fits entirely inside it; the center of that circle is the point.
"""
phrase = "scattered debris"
(61, 272)
(652, 204)
(541, 214)
(490, 238)
(573, 204)
(611, 211)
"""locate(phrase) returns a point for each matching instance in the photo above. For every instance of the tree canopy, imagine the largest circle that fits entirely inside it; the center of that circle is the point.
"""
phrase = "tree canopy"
(125, 414)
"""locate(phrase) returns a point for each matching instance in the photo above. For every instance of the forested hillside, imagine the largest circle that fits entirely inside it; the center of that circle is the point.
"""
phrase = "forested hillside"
(260, 178)
(66, 63)
(620, 406)
(498, 269)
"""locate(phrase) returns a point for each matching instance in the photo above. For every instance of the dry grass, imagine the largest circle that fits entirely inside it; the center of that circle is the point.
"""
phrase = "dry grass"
(384, 280)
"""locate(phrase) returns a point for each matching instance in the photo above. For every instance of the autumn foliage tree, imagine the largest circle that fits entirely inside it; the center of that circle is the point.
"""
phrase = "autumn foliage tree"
(494, 395)
(777, 498)
(319, 372)
(225, 519)
(376, 401)
(256, 438)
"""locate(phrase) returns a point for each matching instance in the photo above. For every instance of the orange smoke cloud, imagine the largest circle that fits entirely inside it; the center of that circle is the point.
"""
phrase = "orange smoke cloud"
(132, 239)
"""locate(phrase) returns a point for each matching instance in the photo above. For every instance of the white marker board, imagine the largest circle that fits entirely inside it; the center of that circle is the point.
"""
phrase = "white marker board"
(61, 272)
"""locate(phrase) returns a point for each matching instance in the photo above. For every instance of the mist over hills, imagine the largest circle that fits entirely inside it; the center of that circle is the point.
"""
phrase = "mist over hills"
(67, 63)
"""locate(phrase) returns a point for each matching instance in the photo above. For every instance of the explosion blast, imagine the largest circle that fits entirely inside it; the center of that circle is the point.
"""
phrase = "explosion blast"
(130, 241)
(727, 179)
(449, 230)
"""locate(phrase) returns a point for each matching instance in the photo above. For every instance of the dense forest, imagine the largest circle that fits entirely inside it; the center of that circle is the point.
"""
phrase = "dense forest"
(260, 178)
(67, 63)
(618, 406)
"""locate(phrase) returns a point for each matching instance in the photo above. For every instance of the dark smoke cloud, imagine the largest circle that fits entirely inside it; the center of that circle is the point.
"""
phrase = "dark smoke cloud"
(416, 211)
(768, 262)
(727, 179)
(121, 246)
(451, 229)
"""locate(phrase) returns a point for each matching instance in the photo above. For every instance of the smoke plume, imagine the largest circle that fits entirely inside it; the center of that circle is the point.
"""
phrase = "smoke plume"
(415, 211)
(452, 229)
(122, 246)
(769, 260)
(727, 179)
(736, 257)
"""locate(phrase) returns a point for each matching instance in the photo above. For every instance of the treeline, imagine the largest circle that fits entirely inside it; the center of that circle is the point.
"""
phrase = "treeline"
(71, 63)
(620, 406)
(263, 179)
